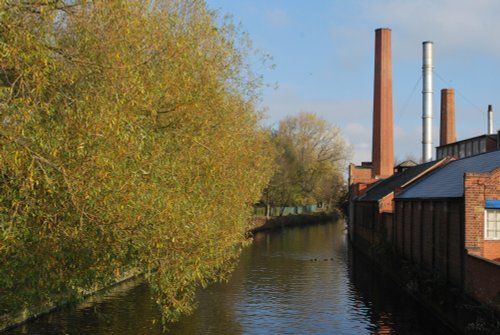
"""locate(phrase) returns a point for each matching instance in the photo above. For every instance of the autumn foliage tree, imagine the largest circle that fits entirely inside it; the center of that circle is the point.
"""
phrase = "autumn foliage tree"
(129, 140)
(311, 155)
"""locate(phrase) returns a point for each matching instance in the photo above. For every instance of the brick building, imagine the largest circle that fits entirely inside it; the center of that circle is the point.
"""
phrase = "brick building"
(449, 223)
(371, 222)
(482, 213)
(443, 216)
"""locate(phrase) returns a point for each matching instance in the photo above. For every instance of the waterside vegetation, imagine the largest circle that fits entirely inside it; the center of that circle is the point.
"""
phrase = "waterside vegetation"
(311, 155)
(130, 141)
(124, 125)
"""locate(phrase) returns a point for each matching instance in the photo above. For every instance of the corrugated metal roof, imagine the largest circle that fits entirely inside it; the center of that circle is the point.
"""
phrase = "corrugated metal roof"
(448, 181)
(386, 186)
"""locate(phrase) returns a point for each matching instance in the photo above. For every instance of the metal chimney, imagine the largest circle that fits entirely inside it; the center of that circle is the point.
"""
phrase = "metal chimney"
(490, 120)
(427, 102)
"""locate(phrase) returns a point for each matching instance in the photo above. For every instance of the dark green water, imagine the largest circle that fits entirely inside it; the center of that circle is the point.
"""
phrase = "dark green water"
(290, 281)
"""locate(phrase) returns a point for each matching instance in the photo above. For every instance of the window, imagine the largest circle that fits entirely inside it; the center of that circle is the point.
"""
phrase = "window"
(461, 152)
(482, 145)
(492, 225)
(468, 149)
(475, 147)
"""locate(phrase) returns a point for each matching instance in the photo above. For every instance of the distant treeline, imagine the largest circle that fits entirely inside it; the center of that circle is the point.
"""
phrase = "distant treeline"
(310, 159)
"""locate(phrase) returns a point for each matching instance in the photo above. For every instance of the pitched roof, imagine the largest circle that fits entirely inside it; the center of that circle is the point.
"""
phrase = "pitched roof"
(388, 185)
(407, 163)
(448, 182)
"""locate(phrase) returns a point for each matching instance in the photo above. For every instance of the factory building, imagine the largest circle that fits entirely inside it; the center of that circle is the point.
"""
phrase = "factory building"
(443, 216)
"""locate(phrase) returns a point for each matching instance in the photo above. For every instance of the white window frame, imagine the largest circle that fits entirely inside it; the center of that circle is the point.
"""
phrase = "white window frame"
(486, 223)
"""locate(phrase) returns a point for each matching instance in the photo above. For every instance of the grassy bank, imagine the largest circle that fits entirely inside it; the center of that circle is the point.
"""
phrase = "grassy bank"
(260, 223)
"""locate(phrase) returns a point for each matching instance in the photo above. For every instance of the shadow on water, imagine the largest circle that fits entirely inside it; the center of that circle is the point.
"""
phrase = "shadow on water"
(290, 281)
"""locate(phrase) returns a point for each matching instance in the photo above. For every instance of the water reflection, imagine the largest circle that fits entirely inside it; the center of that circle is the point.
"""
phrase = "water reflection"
(292, 281)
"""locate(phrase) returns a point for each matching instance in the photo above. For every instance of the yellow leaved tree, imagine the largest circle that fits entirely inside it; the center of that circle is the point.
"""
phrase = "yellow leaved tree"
(129, 140)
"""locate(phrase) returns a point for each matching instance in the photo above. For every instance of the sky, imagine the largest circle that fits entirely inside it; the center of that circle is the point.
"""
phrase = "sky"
(323, 52)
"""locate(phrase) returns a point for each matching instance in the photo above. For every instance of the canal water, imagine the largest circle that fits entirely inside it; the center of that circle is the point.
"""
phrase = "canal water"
(290, 281)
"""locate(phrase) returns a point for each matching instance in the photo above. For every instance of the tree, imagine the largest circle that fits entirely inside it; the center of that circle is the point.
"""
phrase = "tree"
(128, 130)
(311, 157)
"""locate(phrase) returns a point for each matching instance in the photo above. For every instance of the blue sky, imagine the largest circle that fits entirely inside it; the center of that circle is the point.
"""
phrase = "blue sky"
(323, 53)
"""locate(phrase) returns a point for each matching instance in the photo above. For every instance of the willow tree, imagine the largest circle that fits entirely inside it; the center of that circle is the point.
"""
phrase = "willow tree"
(311, 158)
(129, 140)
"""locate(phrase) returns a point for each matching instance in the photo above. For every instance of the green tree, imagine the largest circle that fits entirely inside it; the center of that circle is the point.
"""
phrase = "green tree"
(129, 140)
(311, 157)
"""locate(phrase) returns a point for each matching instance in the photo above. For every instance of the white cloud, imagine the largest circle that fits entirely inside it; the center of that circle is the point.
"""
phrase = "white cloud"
(461, 31)
(407, 143)
(286, 100)
(362, 152)
(354, 117)
(348, 54)
(278, 17)
(356, 129)
(359, 136)
(454, 25)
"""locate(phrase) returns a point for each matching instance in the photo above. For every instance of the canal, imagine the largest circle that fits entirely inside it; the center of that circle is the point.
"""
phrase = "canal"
(289, 281)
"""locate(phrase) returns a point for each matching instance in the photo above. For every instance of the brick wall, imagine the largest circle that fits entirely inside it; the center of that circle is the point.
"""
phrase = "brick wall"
(483, 281)
(492, 250)
(477, 188)
(360, 178)
(360, 174)
(386, 204)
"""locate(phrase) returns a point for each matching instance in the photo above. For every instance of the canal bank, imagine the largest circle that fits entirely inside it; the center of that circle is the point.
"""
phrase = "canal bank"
(297, 280)
(261, 223)
(256, 224)
(10, 321)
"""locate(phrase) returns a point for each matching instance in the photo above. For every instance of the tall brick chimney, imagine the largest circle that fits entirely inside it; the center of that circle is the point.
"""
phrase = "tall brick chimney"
(382, 144)
(448, 133)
